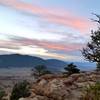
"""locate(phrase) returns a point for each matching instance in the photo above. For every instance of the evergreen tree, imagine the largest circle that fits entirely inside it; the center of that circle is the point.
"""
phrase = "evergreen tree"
(71, 69)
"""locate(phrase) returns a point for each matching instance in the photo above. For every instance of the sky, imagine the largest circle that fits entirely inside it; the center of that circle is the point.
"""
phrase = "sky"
(50, 29)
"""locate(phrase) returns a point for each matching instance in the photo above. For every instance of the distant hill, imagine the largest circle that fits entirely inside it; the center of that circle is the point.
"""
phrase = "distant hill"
(55, 64)
(17, 60)
(85, 66)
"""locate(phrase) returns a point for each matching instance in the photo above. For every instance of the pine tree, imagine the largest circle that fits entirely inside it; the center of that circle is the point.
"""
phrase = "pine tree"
(71, 69)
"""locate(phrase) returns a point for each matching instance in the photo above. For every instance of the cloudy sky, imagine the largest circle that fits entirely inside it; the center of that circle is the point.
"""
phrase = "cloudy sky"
(46, 28)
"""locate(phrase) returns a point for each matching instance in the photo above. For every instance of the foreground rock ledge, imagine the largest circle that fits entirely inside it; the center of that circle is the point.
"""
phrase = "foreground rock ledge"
(60, 87)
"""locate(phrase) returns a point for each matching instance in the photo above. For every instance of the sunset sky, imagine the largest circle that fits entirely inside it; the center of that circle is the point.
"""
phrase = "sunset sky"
(57, 29)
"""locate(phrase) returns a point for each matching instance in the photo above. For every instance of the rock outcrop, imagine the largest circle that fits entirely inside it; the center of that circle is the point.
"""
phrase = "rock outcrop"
(62, 88)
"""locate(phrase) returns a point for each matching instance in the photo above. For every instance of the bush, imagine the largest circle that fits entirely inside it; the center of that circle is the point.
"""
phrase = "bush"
(92, 92)
(2, 93)
(20, 90)
(71, 69)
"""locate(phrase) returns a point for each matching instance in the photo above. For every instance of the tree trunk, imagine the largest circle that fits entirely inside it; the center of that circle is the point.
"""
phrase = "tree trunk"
(98, 66)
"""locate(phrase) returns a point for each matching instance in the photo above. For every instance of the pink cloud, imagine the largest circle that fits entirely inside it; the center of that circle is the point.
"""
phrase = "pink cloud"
(48, 45)
(57, 46)
(55, 16)
(16, 44)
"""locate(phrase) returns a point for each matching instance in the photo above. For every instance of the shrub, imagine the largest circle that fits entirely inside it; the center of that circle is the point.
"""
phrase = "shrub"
(20, 90)
(71, 69)
(2, 93)
(92, 92)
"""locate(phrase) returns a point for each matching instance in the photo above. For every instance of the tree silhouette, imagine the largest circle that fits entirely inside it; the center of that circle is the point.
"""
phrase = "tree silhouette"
(71, 69)
(40, 70)
(92, 50)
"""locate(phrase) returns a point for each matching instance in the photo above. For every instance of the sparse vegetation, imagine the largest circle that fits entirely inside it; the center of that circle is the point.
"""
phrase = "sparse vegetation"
(20, 90)
(40, 70)
(2, 94)
(71, 68)
(92, 92)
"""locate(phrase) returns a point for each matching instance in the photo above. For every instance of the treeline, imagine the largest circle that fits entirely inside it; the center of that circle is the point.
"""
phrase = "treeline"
(40, 70)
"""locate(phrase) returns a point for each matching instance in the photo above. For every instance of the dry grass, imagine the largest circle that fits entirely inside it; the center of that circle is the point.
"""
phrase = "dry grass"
(92, 92)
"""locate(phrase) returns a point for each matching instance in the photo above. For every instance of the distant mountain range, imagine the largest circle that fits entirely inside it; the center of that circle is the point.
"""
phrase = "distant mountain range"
(17, 60)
